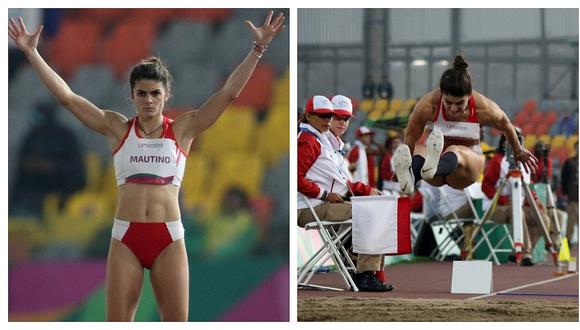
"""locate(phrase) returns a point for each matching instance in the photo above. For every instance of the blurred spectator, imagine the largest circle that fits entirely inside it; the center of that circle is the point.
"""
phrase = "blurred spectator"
(385, 89)
(362, 157)
(496, 171)
(50, 161)
(387, 170)
(566, 124)
(544, 170)
(570, 190)
(543, 175)
(368, 89)
(233, 232)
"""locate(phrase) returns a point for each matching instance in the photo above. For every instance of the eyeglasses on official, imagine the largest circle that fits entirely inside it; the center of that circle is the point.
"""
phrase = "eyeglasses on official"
(324, 115)
(341, 118)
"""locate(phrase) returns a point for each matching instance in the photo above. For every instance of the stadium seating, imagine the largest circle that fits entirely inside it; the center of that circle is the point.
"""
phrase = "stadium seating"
(195, 183)
(193, 84)
(94, 82)
(209, 15)
(183, 42)
(93, 172)
(120, 54)
(521, 118)
(375, 115)
(541, 128)
(381, 105)
(273, 138)
(258, 90)
(75, 44)
(571, 141)
(395, 106)
(537, 117)
(105, 16)
(561, 154)
(219, 137)
(546, 138)
(367, 105)
(530, 106)
(407, 107)
(530, 141)
(155, 16)
(529, 128)
(558, 141)
(551, 117)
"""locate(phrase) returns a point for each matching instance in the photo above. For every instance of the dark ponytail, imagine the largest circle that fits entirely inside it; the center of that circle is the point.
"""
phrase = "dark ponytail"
(456, 81)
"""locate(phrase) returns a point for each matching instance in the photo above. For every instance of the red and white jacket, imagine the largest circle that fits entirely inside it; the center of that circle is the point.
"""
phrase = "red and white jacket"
(365, 164)
(338, 147)
(149, 161)
(497, 169)
(318, 169)
(387, 173)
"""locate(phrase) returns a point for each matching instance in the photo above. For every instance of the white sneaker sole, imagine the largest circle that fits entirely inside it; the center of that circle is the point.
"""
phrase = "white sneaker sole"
(434, 146)
(402, 161)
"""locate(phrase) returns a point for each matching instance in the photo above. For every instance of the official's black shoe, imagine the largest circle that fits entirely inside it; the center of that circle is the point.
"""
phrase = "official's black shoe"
(368, 281)
(527, 261)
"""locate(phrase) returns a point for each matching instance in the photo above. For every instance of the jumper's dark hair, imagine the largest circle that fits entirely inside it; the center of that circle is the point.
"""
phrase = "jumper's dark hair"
(456, 81)
(151, 68)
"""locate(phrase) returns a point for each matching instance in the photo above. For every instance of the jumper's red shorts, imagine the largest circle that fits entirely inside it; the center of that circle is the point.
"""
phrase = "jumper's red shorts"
(147, 239)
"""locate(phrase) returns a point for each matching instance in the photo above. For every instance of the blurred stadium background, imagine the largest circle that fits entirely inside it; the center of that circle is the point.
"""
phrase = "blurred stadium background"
(234, 196)
(526, 60)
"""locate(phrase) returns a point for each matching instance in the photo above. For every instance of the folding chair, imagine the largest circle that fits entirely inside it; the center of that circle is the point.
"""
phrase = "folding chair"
(332, 247)
(447, 228)
(472, 193)
(417, 220)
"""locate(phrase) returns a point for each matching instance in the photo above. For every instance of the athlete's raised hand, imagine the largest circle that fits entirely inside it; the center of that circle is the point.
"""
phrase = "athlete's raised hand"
(527, 159)
(24, 40)
(264, 34)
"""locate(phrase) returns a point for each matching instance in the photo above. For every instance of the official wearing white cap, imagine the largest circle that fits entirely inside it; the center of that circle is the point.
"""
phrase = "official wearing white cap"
(325, 185)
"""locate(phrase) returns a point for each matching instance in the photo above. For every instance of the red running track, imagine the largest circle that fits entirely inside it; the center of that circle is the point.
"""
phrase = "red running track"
(432, 280)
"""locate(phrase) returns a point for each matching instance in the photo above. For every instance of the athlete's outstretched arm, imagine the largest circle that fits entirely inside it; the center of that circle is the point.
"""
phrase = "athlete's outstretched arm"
(93, 117)
(193, 123)
(490, 113)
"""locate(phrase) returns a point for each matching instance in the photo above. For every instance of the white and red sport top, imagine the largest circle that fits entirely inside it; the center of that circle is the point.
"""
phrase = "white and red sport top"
(149, 161)
(458, 132)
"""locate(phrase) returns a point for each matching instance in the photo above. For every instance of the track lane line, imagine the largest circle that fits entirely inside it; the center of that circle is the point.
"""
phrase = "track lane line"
(523, 286)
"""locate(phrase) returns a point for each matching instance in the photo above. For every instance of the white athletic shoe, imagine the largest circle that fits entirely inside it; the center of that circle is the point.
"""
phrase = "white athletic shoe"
(434, 146)
(402, 161)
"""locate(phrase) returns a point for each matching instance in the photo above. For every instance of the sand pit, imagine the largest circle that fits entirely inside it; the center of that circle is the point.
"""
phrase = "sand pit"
(442, 310)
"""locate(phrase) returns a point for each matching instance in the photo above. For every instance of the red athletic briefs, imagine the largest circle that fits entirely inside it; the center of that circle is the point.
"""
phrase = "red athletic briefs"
(147, 239)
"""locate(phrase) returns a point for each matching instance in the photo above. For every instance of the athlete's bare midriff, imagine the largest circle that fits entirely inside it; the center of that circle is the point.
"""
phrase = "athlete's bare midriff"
(148, 203)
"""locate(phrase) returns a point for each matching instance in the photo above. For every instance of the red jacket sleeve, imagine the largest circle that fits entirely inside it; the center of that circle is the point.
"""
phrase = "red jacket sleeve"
(386, 170)
(308, 152)
(353, 155)
(491, 177)
(417, 202)
(359, 188)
